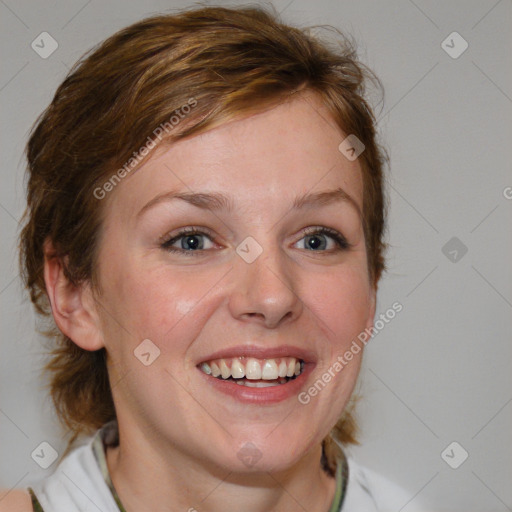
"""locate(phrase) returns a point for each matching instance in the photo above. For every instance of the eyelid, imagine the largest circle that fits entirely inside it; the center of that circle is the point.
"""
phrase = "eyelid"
(177, 233)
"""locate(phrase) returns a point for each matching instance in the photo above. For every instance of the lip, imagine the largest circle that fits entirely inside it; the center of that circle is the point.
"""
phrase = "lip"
(307, 356)
(260, 396)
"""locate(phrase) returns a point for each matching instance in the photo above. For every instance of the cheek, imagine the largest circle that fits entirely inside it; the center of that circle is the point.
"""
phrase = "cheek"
(159, 303)
(341, 301)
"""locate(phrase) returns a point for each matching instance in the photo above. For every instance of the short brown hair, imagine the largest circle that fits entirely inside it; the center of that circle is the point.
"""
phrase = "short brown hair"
(232, 62)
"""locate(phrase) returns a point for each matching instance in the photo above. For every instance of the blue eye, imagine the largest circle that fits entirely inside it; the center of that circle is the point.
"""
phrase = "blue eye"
(324, 239)
(194, 241)
(188, 240)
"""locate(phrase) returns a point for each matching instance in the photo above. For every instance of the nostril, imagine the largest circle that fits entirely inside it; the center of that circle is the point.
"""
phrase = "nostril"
(269, 320)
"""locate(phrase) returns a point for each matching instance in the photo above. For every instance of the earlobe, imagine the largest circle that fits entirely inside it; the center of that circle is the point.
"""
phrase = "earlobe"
(72, 305)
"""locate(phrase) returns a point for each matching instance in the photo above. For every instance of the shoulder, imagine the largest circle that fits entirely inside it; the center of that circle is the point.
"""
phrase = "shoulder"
(370, 491)
(15, 500)
(78, 479)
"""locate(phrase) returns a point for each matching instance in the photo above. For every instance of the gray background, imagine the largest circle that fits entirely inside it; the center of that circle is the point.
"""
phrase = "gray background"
(437, 373)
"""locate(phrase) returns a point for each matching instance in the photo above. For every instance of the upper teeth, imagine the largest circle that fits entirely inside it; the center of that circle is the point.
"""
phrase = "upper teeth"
(253, 369)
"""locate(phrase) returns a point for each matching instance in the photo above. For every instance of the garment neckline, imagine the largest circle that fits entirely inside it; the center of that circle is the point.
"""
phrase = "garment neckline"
(108, 436)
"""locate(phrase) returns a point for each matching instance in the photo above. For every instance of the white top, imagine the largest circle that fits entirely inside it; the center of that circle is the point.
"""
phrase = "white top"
(81, 483)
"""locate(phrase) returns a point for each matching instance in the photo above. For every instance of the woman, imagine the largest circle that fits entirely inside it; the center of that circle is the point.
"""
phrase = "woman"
(204, 223)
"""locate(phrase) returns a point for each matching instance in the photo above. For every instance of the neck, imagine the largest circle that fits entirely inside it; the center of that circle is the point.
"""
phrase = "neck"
(147, 479)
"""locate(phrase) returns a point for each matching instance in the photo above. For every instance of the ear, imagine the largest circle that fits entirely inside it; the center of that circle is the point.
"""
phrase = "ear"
(73, 306)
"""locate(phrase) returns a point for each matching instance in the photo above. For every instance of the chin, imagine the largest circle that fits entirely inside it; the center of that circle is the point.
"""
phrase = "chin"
(276, 455)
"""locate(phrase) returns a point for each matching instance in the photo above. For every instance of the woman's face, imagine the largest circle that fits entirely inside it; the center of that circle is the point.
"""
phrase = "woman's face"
(270, 272)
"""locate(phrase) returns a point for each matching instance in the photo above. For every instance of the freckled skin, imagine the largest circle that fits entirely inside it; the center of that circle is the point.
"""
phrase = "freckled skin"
(190, 306)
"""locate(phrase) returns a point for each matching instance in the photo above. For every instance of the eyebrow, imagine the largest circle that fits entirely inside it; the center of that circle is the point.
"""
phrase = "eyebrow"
(325, 198)
(215, 201)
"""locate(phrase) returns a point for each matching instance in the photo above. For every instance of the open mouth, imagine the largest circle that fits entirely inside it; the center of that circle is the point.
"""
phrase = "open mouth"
(253, 372)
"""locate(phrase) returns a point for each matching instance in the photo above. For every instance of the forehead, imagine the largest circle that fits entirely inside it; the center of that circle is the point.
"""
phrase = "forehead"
(278, 154)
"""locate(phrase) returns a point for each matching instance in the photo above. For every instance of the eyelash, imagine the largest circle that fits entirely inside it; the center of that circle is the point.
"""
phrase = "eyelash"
(341, 242)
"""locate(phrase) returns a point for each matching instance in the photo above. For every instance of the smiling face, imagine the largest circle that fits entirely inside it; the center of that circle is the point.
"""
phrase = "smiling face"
(238, 251)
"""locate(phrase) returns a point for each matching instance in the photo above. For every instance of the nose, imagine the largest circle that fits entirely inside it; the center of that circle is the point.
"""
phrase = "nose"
(265, 291)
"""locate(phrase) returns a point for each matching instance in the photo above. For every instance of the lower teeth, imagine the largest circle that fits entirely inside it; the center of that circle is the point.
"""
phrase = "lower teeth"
(259, 383)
